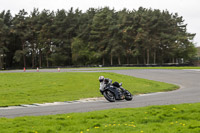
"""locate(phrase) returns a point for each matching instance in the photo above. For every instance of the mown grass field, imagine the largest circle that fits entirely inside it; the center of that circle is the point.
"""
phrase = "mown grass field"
(183, 118)
(29, 88)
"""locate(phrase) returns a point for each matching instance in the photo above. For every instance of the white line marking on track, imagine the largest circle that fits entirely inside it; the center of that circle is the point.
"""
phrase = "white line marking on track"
(55, 103)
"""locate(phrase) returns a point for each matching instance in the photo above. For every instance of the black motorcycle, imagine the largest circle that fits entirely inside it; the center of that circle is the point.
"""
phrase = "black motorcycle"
(115, 91)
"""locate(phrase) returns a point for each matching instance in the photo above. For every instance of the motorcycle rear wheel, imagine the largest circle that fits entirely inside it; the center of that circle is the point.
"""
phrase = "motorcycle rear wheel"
(128, 96)
(109, 96)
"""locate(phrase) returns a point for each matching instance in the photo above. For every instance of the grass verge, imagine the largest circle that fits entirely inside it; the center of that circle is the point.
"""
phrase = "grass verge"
(28, 88)
(183, 118)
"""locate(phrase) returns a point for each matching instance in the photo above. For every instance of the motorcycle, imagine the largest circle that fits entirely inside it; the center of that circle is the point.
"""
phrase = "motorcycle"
(115, 91)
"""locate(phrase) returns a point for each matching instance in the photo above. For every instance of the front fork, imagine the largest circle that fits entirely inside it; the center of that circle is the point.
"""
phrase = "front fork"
(101, 92)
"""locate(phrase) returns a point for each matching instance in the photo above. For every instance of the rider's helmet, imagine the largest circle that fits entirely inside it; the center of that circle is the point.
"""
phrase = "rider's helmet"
(101, 78)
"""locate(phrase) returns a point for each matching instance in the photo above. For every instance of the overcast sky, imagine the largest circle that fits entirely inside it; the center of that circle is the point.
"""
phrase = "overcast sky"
(189, 9)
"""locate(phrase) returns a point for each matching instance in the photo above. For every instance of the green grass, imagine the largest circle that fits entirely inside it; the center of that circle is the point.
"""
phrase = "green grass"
(28, 88)
(183, 118)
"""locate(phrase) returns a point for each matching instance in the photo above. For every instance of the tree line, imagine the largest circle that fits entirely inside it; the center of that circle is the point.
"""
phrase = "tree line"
(100, 36)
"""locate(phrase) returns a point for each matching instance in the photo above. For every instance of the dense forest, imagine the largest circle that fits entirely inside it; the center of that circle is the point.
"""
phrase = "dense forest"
(100, 36)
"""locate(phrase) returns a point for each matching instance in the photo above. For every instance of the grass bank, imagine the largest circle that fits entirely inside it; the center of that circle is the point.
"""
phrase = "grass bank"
(183, 118)
(28, 88)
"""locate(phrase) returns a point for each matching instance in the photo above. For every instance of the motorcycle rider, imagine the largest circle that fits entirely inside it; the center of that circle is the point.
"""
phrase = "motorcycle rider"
(106, 81)
(103, 82)
(113, 89)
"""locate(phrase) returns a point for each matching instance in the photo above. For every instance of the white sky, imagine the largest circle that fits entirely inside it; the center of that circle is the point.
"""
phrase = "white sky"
(189, 9)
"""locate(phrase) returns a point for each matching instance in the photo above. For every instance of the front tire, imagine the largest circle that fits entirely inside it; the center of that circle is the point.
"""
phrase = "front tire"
(109, 96)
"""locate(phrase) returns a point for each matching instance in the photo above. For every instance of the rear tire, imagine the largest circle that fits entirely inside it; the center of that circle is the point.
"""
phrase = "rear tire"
(128, 96)
(109, 96)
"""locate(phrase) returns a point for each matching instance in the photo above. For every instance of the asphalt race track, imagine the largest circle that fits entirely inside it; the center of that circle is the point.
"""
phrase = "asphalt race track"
(189, 92)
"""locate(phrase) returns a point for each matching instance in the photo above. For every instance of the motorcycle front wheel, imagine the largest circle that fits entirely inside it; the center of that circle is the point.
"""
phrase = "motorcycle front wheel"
(109, 96)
